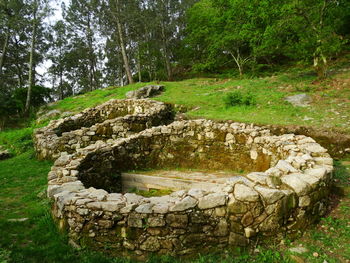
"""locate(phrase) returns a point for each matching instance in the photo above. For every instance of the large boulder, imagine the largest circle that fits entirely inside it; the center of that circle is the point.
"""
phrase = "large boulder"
(145, 92)
(301, 100)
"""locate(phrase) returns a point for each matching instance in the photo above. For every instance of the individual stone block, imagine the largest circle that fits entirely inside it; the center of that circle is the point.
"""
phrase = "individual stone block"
(269, 196)
(212, 200)
(177, 221)
(184, 204)
(245, 193)
(296, 182)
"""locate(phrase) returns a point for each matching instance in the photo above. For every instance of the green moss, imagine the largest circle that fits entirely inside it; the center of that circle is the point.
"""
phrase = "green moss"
(150, 192)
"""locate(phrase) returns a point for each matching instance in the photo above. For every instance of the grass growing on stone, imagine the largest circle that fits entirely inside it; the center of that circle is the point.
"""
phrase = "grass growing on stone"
(150, 192)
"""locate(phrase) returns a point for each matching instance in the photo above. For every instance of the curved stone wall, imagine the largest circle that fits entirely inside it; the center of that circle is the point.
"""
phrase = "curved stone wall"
(111, 120)
(285, 190)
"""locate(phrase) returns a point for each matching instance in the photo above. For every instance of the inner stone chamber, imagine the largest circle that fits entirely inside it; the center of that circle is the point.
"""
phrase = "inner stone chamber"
(152, 160)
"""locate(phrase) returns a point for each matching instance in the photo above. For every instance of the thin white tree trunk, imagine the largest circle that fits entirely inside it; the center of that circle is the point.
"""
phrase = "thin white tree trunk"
(4, 51)
(125, 57)
(139, 64)
(31, 63)
(166, 55)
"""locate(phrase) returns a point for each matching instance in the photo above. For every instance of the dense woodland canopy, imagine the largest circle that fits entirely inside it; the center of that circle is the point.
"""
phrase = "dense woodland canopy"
(116, 42)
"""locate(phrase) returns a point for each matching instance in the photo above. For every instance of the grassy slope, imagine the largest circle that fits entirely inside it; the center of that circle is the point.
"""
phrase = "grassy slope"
(22, 178)
(330, 108)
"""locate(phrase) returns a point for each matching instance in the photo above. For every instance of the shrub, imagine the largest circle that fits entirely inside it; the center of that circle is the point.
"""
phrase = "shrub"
(239, 98)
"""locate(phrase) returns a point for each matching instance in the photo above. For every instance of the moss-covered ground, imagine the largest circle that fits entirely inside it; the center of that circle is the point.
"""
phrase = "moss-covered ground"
(34, 238)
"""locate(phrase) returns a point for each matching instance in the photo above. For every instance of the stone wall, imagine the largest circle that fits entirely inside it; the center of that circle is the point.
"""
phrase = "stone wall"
(285, 190)
(111, 120)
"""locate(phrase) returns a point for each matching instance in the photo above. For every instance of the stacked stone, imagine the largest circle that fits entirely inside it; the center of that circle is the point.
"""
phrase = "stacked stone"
(286, 195)
(111, 120)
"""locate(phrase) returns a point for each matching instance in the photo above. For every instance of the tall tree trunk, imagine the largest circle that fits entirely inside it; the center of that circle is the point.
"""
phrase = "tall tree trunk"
(139, 63)
(166, 54)
(4, 50)
(17, 64)
(61, 85)
(121, 74)
(20, 75)
(91, 64)
(125, 57)
(31, 63)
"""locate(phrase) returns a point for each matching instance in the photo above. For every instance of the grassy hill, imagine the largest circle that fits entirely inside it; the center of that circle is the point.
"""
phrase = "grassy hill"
(329, 109)
(34, 238)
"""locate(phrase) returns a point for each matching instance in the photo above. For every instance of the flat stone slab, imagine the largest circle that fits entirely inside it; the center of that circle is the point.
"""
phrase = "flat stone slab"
(301, 100)
(174, 180)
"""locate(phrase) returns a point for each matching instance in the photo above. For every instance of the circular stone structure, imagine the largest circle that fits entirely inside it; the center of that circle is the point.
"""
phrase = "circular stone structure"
(284, 189)
(111, 120)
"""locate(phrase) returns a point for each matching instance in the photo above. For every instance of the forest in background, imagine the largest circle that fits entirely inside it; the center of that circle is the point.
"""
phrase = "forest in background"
(105, 43)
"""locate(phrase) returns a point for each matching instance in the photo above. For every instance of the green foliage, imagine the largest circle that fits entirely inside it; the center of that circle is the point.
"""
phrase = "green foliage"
(4, 255)
(40, 96)
(238, 98)
(12, 103)
(238, 33)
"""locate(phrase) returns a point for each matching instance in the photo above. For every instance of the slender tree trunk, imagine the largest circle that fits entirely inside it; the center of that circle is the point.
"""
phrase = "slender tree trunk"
(31, 64)
(17, 64)
(91, 62)
(4, 50)
(60, 72)
(237, 60)
(20, 75)
(321, 65)
(166, 55)
(125, 57)
(139, 63)
(61, 86)
(121, 75)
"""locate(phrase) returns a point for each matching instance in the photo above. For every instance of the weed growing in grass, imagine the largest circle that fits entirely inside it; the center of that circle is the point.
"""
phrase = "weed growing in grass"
(341, 172)
(238, 98)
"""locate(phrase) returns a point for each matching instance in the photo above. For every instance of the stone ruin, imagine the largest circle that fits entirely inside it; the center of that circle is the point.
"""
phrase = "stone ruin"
(283, 189)
(111, 120)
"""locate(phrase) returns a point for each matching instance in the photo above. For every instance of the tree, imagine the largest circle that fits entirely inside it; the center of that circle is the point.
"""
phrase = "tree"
(319, 38)
(58, 57)
(12, 41)
(266, 31)
(81, 19)
(39, 9)
(117, 15)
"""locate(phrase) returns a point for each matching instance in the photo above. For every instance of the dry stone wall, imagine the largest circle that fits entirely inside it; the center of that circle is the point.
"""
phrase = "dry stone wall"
(285, 190)
(111, 120)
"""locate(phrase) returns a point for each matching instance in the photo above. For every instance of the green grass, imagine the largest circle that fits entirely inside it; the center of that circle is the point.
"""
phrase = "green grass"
(206, 98)
(23, 178)
(17, 141)
(151, 192)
